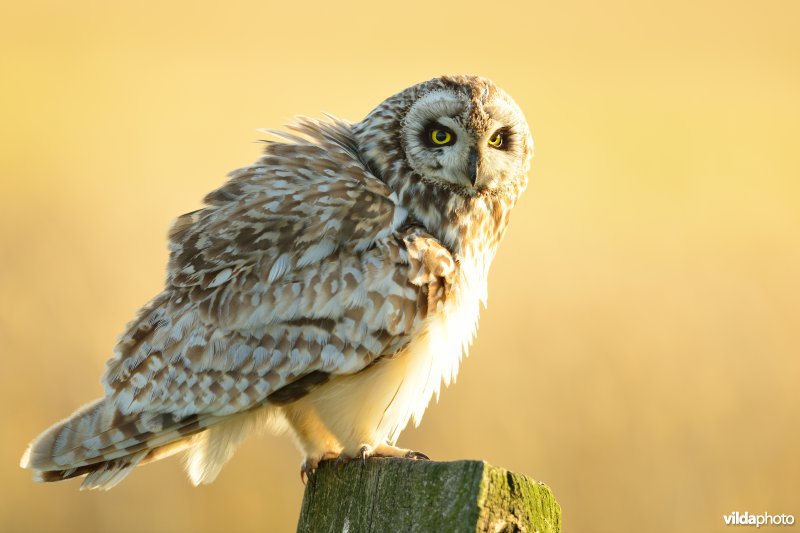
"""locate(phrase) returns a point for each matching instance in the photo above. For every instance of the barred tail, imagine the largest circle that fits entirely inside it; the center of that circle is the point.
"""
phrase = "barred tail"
(100, 442)
(105, 445)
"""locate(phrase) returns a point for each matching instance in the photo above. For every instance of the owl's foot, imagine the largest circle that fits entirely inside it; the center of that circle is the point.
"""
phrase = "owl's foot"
(384, 450)
(310, 465)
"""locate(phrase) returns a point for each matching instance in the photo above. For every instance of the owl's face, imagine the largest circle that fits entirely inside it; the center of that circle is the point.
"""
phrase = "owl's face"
(467, 142)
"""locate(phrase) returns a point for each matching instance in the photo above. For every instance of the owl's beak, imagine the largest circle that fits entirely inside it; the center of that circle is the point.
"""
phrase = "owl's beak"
(472, 165)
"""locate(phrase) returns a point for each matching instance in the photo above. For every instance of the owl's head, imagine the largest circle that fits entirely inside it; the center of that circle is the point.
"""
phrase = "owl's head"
(460, 133)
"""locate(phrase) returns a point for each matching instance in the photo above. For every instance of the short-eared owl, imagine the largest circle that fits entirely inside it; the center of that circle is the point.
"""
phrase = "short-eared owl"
(329, 288)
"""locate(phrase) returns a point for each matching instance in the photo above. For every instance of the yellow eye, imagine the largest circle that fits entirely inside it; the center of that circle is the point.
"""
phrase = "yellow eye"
(496, 140)
(441, 137)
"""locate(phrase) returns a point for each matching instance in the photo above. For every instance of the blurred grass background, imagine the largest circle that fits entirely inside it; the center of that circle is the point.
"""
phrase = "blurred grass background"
(641, 350)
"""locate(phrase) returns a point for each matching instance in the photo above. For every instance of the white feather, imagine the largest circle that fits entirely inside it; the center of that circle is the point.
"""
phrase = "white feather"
(211, 449)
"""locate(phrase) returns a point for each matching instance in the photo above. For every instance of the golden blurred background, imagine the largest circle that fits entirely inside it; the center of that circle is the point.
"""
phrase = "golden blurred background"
(641, 350)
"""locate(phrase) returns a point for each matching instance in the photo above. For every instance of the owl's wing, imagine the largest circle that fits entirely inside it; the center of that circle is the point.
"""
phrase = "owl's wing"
(300, 267)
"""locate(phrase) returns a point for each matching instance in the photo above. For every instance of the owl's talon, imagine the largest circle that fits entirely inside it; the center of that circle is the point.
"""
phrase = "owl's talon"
(306, 471)
(309, 466)
(417, 456)
(364, 452)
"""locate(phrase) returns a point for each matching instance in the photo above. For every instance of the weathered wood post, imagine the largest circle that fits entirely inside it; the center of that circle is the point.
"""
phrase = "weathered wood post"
(387, 495)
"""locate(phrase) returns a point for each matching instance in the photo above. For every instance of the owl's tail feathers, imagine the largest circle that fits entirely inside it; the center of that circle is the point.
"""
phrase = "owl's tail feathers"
(105, 445)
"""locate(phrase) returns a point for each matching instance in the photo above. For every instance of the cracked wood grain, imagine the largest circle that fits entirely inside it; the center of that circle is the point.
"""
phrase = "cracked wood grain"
(403, 495)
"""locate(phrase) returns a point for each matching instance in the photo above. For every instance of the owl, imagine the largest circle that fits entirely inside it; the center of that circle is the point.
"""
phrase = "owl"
(327, 290)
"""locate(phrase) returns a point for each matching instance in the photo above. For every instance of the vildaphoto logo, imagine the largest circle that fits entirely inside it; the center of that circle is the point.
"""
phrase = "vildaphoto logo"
(746, 519)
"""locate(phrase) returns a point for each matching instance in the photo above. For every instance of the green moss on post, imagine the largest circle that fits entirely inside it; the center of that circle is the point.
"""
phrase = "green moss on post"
(404, 495)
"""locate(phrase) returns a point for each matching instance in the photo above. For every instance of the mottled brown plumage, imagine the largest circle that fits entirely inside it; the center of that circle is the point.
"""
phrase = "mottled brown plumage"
(331, 287)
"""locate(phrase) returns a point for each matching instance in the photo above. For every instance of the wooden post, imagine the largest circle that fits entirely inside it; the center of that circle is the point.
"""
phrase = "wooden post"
(386, 495)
